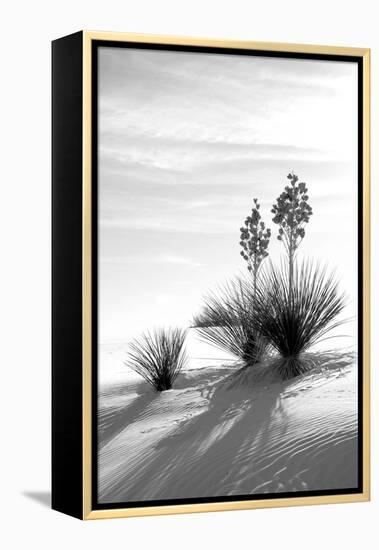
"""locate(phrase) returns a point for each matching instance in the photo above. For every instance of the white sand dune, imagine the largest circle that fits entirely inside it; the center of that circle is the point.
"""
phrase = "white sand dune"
(223, 432)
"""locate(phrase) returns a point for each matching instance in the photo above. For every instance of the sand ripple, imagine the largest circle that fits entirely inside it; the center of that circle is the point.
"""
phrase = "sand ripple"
(220, 435)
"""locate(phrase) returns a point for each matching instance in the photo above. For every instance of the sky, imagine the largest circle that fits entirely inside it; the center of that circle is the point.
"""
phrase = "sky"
(186, 141)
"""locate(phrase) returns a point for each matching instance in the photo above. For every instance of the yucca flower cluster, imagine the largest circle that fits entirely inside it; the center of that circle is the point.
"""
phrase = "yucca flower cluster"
(254, 240)
(291, 212)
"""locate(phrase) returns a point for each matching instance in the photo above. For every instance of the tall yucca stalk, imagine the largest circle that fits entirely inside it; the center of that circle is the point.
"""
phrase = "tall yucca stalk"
(292, 212)
(158, 357)
(294, 318)
(254, 241)
(226, 322)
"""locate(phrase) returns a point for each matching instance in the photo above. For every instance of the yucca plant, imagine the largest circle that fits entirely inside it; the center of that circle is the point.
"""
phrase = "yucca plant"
(226, 318)
(158, 357)
(294, 318)
(226, 322)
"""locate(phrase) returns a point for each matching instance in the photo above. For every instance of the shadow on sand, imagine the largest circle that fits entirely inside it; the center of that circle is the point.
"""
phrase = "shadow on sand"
(219, 439)
(216, 449)
(113, 420)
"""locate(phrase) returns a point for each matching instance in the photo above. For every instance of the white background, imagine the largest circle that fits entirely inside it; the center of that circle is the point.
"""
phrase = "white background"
(27, 29)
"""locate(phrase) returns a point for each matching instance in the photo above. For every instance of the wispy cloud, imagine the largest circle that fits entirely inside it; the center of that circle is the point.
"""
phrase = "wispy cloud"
(202, 226)
(168, 109)
(183, 155)
(168, 259)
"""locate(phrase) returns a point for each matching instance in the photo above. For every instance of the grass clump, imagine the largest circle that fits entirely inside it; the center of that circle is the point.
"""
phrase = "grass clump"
(226, 322)
(295, 317)
(158, 357)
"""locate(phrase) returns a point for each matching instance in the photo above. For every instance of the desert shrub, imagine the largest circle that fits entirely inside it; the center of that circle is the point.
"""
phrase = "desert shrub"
(158, 357)
(294, 318)
(226, 321)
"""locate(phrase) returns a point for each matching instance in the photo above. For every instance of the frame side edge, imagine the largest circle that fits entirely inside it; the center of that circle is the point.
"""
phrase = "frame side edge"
(66, 275)
(87, 277)
(366, 267)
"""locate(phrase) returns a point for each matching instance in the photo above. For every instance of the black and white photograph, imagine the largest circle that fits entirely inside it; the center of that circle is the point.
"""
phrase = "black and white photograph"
(189, 275)
(228, 275)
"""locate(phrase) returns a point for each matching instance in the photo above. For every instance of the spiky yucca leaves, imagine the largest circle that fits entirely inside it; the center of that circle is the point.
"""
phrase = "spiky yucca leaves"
(226, 322)
(158, 357)
(294, 318)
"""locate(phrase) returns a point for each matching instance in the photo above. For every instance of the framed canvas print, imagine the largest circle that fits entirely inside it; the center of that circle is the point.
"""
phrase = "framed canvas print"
(210, 275)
